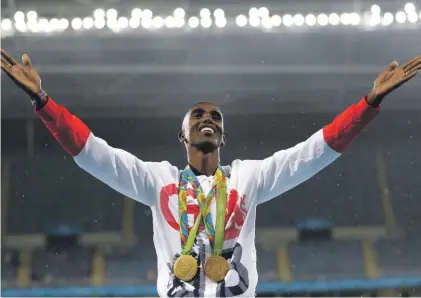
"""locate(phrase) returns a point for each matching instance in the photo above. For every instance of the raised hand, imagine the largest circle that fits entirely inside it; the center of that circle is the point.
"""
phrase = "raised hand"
(24, 75)
(393, 77)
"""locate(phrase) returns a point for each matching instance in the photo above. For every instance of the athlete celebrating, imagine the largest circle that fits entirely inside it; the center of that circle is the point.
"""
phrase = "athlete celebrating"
(204, 215)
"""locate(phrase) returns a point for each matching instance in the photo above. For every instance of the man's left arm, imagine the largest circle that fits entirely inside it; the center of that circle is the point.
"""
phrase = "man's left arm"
(288, 168)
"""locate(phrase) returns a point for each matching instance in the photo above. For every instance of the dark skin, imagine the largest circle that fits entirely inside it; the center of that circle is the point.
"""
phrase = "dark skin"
(203, 146)
(203, 135)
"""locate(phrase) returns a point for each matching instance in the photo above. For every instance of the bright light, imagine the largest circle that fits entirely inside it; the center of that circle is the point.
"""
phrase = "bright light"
(355, 18)
(205, 22)
(375, 9)
(288, 20)
(276, 20)
(112, 13)
(241, 20)
(147, 14)
(298, 20)
(194, 22)
(170, 22)
(409, 8)
(334, 19)
(6, 25)
(311, 20)
(179, 13)
(100, 23)
(122, 23)
(180, 22)
(134, 23)
(136, 13)
(412, 17)
(146, 22)
(77, 23)
(88, 23)
(64, 24)
(19, 16)
(99, 14)
(400, 17)
(32, 15)
(44, 25)
(157, 22)
(33, 25)
(345, 19)
(253, 12)
(218, 13)
(205, 13)
(263, 12)
(21, 26)
(375, 20)
(267, 22)
(55, 24)
(221, 22)
(254, 21)
(112, 24)
(322, 19)
(387, 19)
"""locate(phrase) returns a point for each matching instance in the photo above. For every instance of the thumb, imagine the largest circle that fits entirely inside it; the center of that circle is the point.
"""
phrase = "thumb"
(392, 65)
(26, 61)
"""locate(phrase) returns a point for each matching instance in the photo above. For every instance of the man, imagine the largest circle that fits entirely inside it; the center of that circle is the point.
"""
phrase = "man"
(204, 215)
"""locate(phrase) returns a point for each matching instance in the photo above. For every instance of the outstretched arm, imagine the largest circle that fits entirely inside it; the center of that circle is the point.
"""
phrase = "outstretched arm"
(288, 168)
(117, 168)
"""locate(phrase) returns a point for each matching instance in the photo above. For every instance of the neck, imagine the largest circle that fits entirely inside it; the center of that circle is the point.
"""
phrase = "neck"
(205, 163)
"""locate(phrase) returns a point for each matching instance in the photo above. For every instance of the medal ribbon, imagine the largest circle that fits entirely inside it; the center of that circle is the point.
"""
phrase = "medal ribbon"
(219, 192)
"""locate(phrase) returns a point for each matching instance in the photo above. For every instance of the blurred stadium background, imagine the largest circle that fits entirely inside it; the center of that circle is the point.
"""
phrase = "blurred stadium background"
(279, 70)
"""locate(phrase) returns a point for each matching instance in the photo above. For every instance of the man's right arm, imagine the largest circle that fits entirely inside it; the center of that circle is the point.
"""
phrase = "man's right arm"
(115, 167)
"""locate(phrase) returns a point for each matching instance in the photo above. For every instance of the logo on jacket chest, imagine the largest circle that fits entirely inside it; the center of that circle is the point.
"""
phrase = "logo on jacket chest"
(235, 215)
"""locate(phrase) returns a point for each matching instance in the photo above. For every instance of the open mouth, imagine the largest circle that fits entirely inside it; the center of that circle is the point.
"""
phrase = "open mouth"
(207, 130)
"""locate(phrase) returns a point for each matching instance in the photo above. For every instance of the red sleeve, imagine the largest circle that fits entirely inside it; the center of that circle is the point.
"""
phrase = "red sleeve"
(67, 129)
(340, 133)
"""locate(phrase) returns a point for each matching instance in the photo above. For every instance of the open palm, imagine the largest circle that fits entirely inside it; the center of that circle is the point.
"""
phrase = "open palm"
(24, 75)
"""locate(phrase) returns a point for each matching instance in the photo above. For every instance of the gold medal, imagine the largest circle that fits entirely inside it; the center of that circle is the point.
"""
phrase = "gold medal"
(216, 267)
(185, 267)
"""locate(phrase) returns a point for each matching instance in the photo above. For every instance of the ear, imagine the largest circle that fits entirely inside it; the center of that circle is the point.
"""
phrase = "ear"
(224, 140)
(181, 137)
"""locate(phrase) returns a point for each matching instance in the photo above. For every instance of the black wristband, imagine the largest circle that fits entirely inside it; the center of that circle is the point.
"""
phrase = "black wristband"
(39, 100)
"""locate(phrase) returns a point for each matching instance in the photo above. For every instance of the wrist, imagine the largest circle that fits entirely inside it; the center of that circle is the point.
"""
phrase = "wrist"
(40, 99)
(373, 99)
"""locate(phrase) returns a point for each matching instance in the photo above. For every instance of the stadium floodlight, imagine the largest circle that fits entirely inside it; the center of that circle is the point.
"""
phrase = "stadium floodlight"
(254, 21)
(334, 19)
(122, 23)
(32, 15)
(100, 23)
(241, 20)
(134, 23)
(146, 22)
(221, 22)
(88, 23)
(136, 14)
(400, 17)
(355, 18)
(179, 22)
(99, 14)
(375, 9)
(387, 19)
(219, 13)
(6, 25)
(375, 20)
(194, 22)
(170, 22)
(276, 20)
(253, 12)
(205, 13)
(77, 23)
(112, 13)
(298, 20)
(288, 20)
(322, 19)
(310, 20)
(266, 22)
(206, 22)
(179, 13)
(412, 17)
(147, 14)
(263, 12)
(409, 8)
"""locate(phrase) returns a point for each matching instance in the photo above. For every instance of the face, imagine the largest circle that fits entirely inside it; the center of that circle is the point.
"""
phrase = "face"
(203, 126)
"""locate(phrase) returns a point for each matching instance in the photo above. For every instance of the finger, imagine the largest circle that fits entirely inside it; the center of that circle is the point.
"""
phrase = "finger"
(6, 63)
(26, 60)
(413, 66)
(408, 64)
(392, 65)
(8, 57)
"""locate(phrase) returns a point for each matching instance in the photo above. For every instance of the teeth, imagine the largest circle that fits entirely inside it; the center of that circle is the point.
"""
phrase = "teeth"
(207, 129)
